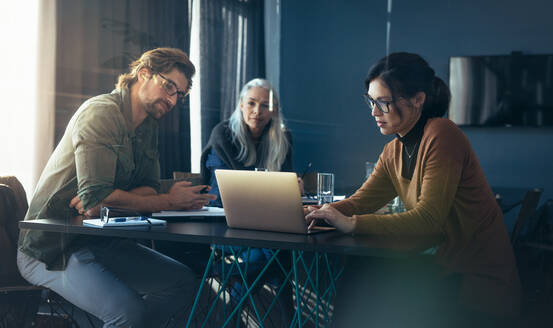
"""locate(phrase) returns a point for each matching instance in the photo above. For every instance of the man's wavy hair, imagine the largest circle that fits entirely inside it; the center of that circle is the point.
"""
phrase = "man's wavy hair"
(159, 60)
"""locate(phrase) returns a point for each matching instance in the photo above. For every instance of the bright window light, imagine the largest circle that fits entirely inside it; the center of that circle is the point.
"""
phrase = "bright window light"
(18, 36)
(195, 94)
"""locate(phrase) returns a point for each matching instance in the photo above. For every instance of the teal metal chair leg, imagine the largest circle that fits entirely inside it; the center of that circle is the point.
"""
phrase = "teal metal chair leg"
(222, 275)
(284, 284)
(298, 303)
(310, 300)
(318, 302)
(201, 288)
(331, 290)
(308, 281)
(221, 290)
(322, 300)
(248, 291)
(243, 276)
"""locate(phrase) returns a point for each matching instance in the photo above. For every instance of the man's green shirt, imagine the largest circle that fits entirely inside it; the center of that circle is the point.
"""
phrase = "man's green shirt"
(98, 153)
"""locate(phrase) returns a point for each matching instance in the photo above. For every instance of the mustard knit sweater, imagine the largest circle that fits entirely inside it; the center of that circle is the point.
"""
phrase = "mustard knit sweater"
(447, 199)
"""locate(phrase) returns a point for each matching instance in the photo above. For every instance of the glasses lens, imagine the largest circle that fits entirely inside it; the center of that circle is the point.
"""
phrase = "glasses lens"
(384, 106)
(381, 106)
(170, 88)
(168, 85)
(373, 103)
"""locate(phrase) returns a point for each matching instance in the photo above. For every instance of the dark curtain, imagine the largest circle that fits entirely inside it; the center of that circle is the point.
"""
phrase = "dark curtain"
(97, 40)
(231, 52)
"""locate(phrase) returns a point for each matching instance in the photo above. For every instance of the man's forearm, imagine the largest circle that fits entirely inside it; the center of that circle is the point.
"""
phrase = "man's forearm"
(144, 191)
(142, 199)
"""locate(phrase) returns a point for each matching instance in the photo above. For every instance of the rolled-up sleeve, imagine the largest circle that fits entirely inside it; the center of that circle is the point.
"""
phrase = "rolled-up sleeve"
(96, 139)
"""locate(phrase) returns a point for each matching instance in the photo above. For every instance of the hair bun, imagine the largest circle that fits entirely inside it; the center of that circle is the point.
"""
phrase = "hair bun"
(439, 98)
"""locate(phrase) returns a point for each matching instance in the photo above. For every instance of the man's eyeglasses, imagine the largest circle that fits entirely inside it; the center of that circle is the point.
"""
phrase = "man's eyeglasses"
(171, 89)
(382, 105)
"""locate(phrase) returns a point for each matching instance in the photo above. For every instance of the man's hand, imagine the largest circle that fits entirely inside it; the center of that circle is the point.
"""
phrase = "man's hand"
(78, 205)
(184, 197)
(331, 215)
(180, 197)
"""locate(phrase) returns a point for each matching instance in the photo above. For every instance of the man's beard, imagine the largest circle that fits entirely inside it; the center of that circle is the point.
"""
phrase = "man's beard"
(154, 112)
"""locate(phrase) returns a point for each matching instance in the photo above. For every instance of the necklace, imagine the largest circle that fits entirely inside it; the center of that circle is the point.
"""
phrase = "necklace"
(412, 152)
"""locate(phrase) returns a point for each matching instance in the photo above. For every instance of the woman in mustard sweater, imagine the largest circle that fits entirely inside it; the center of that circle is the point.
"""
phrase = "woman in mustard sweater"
(432, 167)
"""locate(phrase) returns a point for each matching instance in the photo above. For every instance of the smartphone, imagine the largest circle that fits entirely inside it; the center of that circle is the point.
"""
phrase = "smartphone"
(204, 190)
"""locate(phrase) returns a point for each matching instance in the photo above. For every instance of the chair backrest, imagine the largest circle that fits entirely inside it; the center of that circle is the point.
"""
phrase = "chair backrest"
(527, 209)
(540, 228)
(10, 214)
(20, 300)
(19, 192)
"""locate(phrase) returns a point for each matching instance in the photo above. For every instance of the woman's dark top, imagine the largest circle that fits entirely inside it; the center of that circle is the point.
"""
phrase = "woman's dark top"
(411, 142)
(221, 152)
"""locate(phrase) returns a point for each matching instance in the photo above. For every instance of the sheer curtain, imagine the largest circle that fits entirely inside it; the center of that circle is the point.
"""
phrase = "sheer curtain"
(46, 78)
(97, 40)
(230, 49)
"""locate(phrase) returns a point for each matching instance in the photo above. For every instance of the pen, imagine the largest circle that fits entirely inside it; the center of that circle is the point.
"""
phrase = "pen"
(135, 218)
(106, 213)
(305, 170)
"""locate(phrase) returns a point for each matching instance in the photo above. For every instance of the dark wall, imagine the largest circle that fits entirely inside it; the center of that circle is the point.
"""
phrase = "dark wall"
(327, 47)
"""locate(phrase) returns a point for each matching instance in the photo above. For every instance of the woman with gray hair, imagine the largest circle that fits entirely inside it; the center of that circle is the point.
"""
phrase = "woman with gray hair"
(254, 137)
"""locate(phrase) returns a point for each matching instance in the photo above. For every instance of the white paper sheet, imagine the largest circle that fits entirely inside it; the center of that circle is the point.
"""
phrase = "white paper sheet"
(205, 211)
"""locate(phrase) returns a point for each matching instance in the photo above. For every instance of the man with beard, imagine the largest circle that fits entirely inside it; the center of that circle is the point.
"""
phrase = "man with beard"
(108, 157)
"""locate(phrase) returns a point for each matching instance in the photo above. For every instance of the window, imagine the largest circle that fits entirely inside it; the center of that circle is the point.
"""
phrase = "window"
(18, 89)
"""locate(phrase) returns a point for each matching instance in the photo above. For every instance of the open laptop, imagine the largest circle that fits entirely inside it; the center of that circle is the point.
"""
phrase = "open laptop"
(263, 201)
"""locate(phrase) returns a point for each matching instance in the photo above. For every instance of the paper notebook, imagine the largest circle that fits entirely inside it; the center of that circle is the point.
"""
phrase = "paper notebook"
(128, 221)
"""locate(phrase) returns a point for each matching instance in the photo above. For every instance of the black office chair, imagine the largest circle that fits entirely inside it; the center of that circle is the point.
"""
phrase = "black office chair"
(20, 301)
(528, 207)
(534, 260)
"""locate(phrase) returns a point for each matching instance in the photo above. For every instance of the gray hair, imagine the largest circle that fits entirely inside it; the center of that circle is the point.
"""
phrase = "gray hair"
(273, 145)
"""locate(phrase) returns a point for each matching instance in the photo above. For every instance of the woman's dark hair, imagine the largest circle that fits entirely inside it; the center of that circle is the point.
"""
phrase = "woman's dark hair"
(406, 74)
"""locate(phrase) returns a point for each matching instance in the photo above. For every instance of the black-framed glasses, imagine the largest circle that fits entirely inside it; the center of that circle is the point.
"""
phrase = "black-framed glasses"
(382, 105)
(171, 89)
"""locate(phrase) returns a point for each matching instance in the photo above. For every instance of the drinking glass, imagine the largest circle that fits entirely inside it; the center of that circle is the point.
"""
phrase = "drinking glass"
(325, 188)
(396, 205)
(369, 168)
